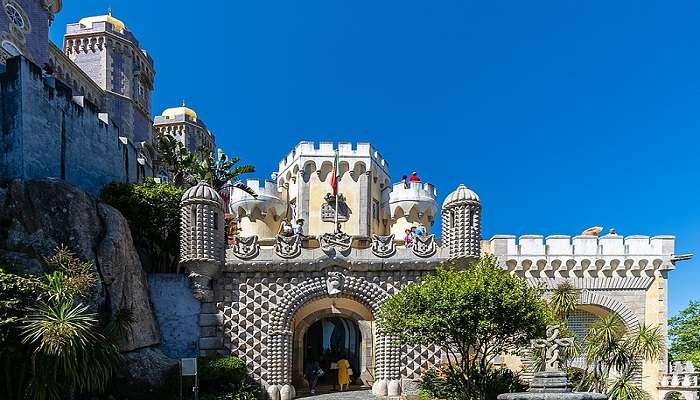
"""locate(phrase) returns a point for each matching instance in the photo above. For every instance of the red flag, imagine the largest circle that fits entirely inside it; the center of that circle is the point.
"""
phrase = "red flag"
(334, 178)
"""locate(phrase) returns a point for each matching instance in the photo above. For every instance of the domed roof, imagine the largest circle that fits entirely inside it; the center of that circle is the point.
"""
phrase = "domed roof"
(201, 191)
(462, 193)
(117, 25)
(174, 111)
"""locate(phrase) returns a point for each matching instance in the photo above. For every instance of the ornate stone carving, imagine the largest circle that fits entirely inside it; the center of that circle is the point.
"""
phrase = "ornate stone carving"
(288, 246)
(328, 209)
(246, 248)
(424, 246)
(335, 241)
(383, 246)
(552, 344)
(334, 282)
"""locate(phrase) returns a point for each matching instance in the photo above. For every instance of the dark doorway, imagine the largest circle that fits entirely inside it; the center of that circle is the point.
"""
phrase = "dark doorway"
(327, 340)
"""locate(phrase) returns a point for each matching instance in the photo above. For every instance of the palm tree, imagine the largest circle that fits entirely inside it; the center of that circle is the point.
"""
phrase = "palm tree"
(564, 299)
(613, 356)
(222, 171)
(178, 160)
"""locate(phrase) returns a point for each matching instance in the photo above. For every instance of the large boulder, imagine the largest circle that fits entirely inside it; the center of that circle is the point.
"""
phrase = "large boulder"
(37, 216)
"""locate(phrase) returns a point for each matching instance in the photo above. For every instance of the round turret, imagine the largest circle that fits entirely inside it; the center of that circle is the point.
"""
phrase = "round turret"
(201, 236)
(461, 223)
(411, 206)
(258, 216)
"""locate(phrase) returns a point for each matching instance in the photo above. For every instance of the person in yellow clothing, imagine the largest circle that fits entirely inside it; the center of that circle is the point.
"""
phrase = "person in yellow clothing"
(343, 372)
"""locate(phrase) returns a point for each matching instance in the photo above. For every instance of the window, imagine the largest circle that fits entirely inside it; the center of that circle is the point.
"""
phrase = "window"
(216, 221)
(16, 16)
(10, 48)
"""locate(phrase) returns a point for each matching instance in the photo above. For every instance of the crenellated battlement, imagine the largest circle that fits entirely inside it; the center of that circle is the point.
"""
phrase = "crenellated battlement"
(308, 149)
(268, 199)
(561, 252)
(562, 245)
(417, 194)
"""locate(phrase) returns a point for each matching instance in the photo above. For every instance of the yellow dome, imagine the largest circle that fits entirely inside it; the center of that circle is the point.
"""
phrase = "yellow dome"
(172, 112)
(117, 25)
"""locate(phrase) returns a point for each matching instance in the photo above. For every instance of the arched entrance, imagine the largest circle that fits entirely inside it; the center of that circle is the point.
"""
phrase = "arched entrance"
(327, 327)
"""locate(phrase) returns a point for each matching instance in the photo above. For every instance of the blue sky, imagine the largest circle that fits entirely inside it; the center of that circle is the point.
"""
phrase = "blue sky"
(559, 114)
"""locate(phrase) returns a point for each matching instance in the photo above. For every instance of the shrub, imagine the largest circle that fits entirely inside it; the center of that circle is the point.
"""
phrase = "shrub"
(153, 212)
(444, 383)
(217, 374)
(220, 378)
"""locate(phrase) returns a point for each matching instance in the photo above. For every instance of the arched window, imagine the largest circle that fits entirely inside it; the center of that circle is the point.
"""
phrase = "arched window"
(10, 48)
(17, 16)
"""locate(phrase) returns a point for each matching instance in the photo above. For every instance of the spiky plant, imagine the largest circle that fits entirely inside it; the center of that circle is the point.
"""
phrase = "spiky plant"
(71, 355)
(564, 299)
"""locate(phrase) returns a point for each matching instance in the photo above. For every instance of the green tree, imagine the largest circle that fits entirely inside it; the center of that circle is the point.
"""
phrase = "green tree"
(153, 212)
(684, 334)
(474, 314)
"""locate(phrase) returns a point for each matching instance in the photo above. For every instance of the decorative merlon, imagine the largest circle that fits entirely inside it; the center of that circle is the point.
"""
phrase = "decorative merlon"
(563, 245)
(326, 150)
(269, 198)
(417, 194)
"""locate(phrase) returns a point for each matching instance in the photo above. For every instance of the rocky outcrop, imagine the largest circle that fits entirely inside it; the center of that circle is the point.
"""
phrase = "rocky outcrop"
(37, 216)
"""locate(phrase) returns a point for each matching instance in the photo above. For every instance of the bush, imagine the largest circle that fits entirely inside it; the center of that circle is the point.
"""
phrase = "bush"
(443, 383)
(217, 374)
(220, 378)
(153, 212)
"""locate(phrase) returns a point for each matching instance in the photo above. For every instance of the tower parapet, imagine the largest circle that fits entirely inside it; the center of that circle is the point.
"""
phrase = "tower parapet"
(201, 237)
(461, 223)
(259, 215)
(412, 205)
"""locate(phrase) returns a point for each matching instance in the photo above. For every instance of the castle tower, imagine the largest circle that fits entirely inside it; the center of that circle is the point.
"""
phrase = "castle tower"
(260, 216)
(183, 124)
(411, 206)
(110, 55)
(202, 237)
(461, 223)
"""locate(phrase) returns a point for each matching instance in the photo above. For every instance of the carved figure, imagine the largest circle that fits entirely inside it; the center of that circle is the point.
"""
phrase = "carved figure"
(383, 246)
(335, 241)
(246, 248)
(334, 283)
(424, 246)
(288, 246)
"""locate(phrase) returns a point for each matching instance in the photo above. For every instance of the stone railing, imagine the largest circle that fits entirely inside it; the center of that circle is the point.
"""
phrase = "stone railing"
(682, 380)
(607, 253)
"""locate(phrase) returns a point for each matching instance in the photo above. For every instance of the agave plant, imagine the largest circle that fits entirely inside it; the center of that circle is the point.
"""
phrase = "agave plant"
(70, 354)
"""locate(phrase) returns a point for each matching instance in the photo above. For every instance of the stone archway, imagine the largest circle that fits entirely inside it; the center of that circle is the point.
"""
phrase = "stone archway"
(334, 285)
(329, 307)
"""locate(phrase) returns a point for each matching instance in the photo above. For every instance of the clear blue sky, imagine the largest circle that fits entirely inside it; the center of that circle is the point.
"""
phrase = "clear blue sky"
(559, 114)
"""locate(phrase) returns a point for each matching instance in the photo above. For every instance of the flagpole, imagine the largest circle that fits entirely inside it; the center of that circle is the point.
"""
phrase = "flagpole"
(336, 190)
